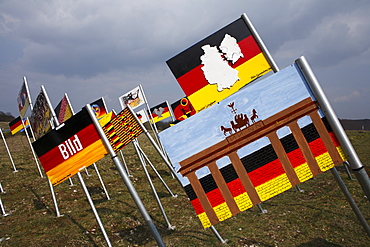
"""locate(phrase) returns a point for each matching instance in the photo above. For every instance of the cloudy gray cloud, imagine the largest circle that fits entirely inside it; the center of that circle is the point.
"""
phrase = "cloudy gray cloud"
(93, 49)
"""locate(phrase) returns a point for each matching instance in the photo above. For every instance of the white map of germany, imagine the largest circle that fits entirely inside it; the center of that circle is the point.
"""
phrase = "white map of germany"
(216, 68)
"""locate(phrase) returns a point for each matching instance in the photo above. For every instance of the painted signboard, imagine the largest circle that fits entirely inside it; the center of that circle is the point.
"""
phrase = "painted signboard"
(72, 147)
(253, 145)
(219, 65)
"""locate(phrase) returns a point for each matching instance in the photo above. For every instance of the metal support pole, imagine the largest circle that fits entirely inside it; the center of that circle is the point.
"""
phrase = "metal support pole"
(218, 235)
(2, 208)
(7, 149)
(54, 199)
(346, 165)
(263, 211)
(299, 189)
(164, 158)
(33, 151)
(124, 161)
(267, 54)
(152, 125)
(139, 154)
(101, 181)
(351, 201)
(70, 182)
(155, 170)
(93, 208)
(87, 173)
(355, 163)
(126, 180)
(1, 203)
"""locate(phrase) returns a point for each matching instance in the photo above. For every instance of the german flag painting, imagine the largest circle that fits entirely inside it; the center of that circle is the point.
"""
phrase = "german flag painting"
(266, 173)
(142, 116)
(219, 65)
(15, 125)
(65, 151)
(122, 129)
(217, 201)
(159, 112)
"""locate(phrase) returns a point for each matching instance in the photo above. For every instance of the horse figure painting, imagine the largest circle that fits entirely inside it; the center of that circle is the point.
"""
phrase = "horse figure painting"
(240, 121)
(226, 130)
(254, 115)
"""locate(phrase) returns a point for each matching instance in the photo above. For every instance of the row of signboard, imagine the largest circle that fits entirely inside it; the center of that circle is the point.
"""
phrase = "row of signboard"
(254, 134)
(241, 135)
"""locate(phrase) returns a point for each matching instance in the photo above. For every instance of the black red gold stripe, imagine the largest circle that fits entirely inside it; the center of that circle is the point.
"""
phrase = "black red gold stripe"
(65, 151)
(15, 125)
(264, 170)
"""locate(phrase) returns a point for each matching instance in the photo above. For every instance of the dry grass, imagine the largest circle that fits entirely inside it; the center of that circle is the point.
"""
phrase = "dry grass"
(320, 216)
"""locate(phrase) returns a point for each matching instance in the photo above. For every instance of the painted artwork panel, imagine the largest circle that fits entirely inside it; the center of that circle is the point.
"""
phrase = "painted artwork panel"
(142, 116)
(15, 125)
(264, 139)
(63, 110)
(23, 99)
(219, 65)
(67, 150)
(99, 108)
(182, 109)
(41, 116)
(122, 129)
(133, 98)
(203, 130)
(159, 112)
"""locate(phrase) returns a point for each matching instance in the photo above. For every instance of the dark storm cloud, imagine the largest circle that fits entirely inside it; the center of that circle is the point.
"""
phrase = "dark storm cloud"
(91, 49)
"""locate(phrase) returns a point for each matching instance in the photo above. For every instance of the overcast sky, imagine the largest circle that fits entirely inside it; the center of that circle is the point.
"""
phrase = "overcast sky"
(103, 48)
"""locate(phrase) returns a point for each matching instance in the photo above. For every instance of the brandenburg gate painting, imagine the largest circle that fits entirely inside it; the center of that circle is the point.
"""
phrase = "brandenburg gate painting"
(257, 143)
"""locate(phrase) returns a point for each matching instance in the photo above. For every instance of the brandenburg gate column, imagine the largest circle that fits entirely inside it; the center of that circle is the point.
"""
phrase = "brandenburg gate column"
(304, 147)
(321, 129)
(244, 178)
(283, 158)
(199, 191)
(221, 184)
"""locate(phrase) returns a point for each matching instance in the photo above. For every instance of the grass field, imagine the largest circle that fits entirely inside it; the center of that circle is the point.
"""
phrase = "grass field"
(319, 216)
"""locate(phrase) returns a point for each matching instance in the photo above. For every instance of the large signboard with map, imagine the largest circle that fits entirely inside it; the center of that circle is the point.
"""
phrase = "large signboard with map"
(253, 145)
(219, 65)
